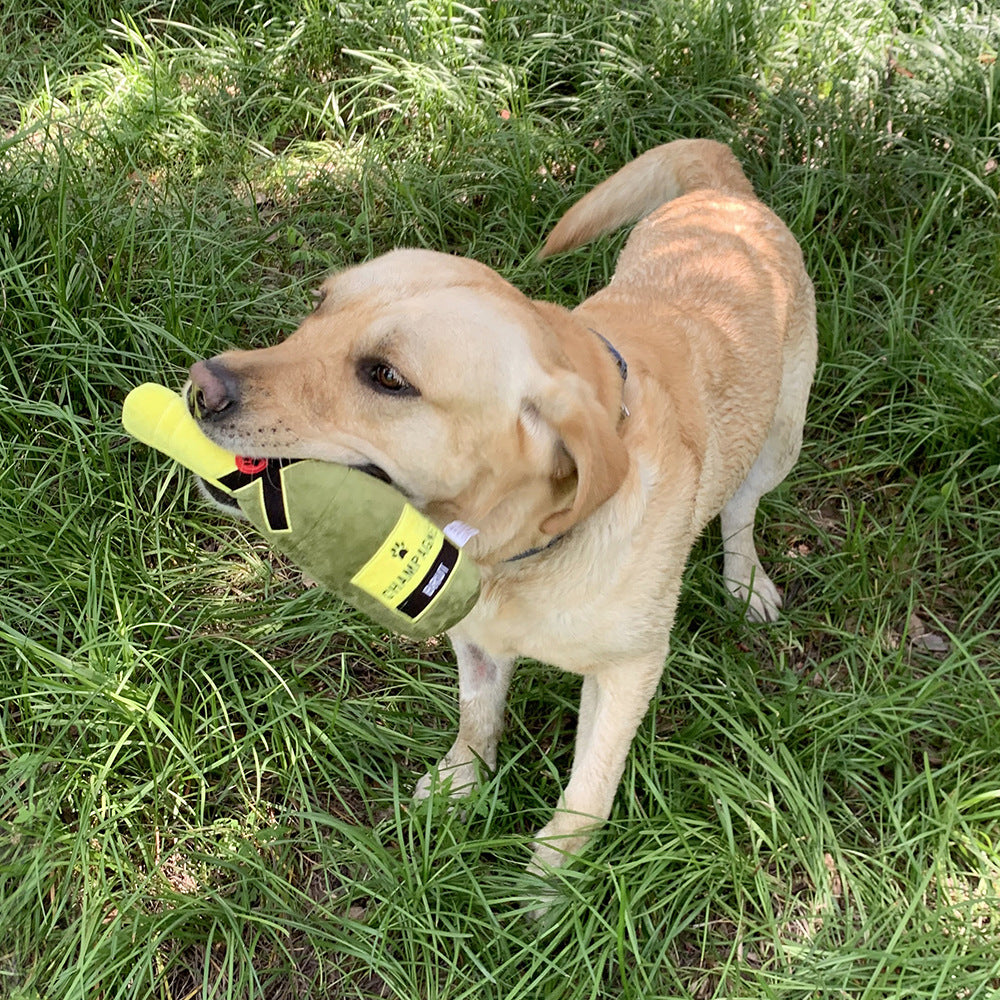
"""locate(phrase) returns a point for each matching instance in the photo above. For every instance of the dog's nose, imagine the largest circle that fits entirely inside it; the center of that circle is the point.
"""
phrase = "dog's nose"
(214, 392)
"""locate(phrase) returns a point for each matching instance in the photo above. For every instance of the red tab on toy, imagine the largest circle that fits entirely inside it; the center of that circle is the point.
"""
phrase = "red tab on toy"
(250, 466)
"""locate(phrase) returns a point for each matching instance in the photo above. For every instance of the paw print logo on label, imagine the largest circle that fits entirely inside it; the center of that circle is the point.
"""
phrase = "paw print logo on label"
(400, 551)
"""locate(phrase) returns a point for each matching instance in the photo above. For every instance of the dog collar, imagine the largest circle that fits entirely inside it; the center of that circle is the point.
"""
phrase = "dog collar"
(623, 371)
(538, 548)
(620, 361)
(615, 353)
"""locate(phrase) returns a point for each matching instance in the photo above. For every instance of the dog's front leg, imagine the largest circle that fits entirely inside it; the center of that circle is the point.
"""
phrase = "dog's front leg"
(482, 686)
(612, 704)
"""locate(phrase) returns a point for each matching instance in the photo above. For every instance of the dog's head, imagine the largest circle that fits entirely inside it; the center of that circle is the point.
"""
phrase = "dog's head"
(435, 373)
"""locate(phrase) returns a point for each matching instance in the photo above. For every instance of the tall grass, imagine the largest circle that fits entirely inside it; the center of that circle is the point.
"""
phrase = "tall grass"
(205, 766)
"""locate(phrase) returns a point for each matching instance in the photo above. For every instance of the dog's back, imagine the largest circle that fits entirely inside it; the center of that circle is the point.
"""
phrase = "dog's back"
(710, 297)
(708, 268)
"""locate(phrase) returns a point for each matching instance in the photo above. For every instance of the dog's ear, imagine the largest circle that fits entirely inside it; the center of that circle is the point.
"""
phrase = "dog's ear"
(588, 437)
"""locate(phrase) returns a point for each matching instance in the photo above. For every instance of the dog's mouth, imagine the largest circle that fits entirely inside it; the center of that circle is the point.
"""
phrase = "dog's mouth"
(219, 497)
(376, 472)
(228, 503)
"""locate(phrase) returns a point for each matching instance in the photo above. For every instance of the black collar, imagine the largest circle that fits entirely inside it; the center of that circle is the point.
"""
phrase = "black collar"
(623, 371)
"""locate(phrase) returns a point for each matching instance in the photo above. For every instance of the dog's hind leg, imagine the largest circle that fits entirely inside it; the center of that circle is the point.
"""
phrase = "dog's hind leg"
(744, 575)
(482, 684)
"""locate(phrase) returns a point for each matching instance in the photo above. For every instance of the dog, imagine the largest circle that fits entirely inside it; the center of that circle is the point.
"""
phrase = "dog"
(584, 450)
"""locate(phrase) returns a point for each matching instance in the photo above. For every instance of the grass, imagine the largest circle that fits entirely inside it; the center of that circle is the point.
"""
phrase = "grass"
(205, 767)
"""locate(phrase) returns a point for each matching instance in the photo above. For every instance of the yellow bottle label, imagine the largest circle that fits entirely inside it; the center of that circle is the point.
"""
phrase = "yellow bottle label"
(410, 567)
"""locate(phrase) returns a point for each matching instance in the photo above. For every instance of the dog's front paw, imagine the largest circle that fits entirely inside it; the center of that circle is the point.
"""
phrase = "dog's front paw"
(456, 781)
(558, 841)
(760, 597)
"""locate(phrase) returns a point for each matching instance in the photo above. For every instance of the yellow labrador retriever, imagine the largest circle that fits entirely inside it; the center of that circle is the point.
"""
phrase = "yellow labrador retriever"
(585, 449)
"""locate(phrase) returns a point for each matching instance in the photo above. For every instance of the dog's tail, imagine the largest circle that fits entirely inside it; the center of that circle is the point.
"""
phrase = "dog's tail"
(643, 185)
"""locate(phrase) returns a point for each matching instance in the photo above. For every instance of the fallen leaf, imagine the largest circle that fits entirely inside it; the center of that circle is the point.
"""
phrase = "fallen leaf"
(932, 642)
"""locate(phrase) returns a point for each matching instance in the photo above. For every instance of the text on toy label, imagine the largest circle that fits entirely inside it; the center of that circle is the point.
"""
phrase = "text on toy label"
(410, 566)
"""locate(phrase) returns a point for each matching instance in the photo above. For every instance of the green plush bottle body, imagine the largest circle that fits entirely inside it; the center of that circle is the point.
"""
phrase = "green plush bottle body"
(350, 532)
(360, 538)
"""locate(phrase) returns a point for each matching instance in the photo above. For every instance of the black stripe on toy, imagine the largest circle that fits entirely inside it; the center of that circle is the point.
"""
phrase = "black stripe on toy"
(272, 489)
(430, 586)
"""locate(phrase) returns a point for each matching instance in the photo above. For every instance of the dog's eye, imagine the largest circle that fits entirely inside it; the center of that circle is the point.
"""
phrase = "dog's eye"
(382, 377)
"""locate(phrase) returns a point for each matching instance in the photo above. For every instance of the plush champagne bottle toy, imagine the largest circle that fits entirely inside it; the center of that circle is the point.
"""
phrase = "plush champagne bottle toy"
(347, 530)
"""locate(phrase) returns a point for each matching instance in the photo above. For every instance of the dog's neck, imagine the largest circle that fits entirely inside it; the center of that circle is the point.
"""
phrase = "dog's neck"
(622, 365)
(588, 352)
(485, 521)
